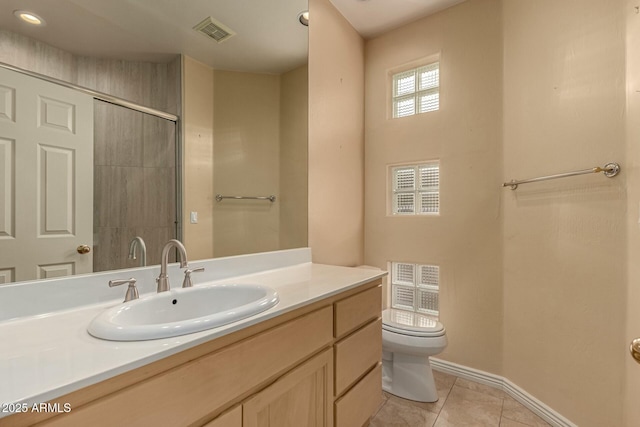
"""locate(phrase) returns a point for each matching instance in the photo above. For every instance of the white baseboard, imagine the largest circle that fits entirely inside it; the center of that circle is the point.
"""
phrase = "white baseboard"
(513, 390)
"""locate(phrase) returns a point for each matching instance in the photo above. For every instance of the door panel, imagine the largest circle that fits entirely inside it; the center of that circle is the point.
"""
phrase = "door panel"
(7, 173)
(46, 178)
(56, 188)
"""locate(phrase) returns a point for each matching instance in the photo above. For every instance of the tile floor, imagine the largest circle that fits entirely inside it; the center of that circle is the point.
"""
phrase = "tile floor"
(461, 403)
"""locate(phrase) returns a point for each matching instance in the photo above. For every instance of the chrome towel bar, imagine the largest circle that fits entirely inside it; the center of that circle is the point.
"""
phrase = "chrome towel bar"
(610, 170)
(271, 198)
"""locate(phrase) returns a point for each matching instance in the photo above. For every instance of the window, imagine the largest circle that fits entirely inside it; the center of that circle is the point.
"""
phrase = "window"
(416, 91)
(415, 189)
(415, 287)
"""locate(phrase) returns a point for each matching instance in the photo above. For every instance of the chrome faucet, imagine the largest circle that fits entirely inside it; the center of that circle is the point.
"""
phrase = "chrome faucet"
(137, 241)
(163, 279)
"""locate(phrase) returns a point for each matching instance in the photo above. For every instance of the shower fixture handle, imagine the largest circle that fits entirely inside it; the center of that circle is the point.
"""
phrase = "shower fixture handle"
(132, 291)
(187, 283)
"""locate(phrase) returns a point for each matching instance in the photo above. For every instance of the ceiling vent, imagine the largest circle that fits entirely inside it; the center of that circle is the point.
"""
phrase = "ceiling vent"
(214, 30)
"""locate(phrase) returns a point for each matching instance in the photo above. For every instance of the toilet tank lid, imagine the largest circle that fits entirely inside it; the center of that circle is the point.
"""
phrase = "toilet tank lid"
(410, 321)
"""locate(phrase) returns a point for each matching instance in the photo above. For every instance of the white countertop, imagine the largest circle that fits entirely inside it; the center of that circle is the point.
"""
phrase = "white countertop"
(49, 355)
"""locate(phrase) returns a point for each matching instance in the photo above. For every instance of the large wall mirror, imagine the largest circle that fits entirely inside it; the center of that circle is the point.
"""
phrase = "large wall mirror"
(130, 183)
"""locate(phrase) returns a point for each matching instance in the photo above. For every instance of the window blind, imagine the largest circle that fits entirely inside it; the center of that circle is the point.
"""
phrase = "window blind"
(416, 91)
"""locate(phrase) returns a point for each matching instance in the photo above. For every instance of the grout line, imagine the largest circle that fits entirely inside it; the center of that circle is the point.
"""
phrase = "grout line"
(501, 410)
(445, 399)
(444, 402)
(379, 409)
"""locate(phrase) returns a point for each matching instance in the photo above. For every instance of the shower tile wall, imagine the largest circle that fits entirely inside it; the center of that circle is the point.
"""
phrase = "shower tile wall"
(134, 185)
(151, 84)
(29, 54)
(134, 159)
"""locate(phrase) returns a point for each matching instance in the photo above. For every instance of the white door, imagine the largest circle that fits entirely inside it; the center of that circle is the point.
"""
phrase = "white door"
(46, 179)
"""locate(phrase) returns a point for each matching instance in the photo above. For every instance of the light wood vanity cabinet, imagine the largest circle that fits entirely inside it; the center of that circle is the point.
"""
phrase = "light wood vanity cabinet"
(317, 366)
(358, 355)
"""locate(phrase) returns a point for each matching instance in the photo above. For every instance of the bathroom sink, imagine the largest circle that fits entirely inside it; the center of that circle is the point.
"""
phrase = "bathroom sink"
(182, 311)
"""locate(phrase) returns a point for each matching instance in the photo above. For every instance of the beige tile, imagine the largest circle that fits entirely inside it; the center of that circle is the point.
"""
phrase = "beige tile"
(443, 386)
(466, 407)
(515, 411)
(444, 380)
(382, 402)
(505, 422)
(471, 385)
(401, 413)
(431, 407)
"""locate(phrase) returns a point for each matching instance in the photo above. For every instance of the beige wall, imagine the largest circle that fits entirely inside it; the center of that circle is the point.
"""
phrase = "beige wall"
(564, 240)
(198, 157)
(632, 172)
(336, 137)
(294, 143)
(539, 284)
(465, 239)
(246, 134)
(246, 123)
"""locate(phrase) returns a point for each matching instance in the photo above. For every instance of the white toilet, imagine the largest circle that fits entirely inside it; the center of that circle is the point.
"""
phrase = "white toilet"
(408, 339)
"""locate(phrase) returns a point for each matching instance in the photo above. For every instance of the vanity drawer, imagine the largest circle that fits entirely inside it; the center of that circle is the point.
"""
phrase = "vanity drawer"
(356, 354)
(357, 310)
(361, 402)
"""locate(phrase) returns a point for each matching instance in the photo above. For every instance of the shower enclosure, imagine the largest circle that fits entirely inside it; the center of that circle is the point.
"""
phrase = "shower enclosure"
(134, 184)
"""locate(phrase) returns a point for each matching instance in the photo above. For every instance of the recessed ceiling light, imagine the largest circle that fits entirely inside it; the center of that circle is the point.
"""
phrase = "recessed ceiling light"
(303, 17)
(29, 17)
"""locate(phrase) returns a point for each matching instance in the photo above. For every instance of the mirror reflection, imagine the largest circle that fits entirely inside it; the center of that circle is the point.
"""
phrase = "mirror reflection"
(242, 131)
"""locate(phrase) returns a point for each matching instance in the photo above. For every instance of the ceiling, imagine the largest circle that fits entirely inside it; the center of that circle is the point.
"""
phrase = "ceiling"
(371, 18)
(268, 37)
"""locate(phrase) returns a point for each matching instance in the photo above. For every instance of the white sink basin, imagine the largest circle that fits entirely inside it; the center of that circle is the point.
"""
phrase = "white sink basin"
(182, 311)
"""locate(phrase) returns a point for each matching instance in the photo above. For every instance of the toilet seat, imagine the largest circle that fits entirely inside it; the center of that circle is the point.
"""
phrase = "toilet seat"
(411, 324)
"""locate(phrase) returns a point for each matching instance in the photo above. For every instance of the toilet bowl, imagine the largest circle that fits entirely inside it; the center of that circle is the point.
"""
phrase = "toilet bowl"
(408, 339)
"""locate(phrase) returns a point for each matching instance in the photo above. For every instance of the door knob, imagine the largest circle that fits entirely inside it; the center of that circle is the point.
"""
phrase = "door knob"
(635, 349)
(83, 249)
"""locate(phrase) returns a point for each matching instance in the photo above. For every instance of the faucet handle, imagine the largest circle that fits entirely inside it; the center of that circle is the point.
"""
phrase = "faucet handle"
(187, 283)
(132, 291)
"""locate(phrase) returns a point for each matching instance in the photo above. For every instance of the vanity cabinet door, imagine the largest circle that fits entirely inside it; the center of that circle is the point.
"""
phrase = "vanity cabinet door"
(303, 397)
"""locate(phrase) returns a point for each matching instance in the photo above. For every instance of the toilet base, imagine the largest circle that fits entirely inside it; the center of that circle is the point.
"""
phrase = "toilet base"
(409, 377)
